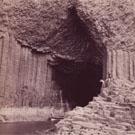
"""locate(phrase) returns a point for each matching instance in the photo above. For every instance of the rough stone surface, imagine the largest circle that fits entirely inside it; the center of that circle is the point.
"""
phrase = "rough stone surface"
(110, 22)
(111, 113)
(25, 77)
(53, 25)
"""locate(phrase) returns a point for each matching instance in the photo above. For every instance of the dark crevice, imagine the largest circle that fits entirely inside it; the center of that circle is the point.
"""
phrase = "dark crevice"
(79, 82)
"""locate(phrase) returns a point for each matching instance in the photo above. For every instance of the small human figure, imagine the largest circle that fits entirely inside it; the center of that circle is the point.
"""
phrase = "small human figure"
(109, 75)
(102, 82)
(108, 80)
(105, 83)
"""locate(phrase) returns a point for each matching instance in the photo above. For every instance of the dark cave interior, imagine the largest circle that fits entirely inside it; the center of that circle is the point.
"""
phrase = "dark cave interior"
(80, 84)
(79, 79)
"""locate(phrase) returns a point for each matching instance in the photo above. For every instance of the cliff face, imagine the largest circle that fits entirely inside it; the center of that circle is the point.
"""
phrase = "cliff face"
(81, 32)
(112, 25)
(25, 75)
(34, 34)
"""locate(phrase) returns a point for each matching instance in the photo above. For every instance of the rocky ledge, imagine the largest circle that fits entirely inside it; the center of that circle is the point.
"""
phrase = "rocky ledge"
(111, 113)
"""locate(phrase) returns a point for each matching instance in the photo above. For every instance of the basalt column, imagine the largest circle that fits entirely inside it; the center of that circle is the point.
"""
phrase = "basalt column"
(120, 64)
(25, 76)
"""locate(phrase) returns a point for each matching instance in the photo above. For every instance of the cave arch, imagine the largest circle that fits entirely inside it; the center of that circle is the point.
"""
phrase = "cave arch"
(78, 76)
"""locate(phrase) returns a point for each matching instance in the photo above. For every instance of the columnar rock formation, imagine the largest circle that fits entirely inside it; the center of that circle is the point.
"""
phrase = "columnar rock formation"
(31, 34)
(111, 24)
(25, 76)
(121, 64)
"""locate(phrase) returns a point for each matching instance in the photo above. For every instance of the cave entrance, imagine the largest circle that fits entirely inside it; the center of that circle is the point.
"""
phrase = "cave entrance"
(78, 79)
(78, 82)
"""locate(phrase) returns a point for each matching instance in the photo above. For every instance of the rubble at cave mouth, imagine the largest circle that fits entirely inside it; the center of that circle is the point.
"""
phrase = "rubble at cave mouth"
(79, 82)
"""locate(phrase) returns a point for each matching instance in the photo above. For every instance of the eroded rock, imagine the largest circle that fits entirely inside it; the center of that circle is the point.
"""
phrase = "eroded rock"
(101, 117)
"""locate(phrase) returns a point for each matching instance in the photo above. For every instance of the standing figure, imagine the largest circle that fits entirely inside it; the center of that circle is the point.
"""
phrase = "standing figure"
(108, 80)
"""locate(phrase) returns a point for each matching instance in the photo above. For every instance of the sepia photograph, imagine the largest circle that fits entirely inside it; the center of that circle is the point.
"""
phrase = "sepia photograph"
(67, 67)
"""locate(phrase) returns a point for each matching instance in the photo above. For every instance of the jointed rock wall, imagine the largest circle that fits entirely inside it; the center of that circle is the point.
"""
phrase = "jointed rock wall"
(121, 64)
(25, 76)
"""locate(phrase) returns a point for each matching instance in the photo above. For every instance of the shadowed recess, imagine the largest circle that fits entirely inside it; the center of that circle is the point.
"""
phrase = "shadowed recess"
(79, 82)
(78, 79)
